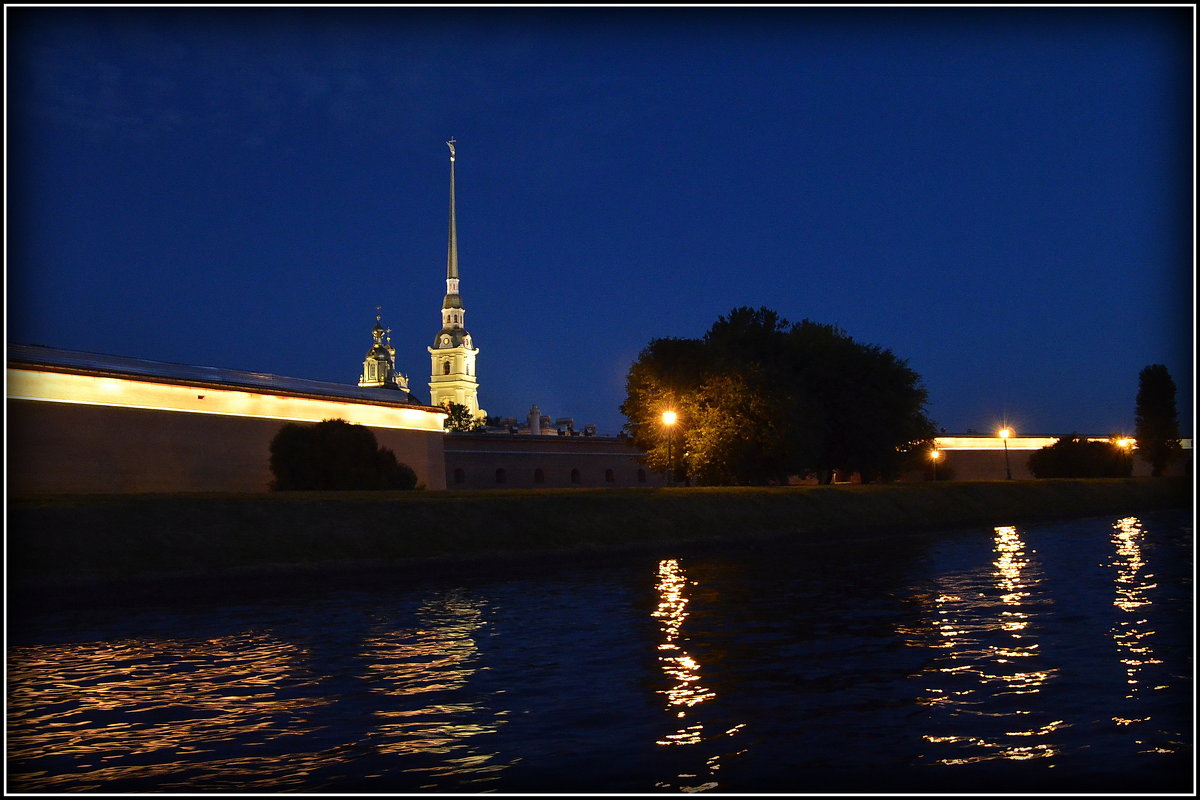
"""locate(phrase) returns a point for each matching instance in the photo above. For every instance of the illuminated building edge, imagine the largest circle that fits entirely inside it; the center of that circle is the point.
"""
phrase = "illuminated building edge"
(29, 383)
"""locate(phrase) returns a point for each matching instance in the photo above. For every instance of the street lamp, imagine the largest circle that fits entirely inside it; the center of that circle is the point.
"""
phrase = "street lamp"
(1004, 434)
(668, 419)
(935, 456)
(1126, 444)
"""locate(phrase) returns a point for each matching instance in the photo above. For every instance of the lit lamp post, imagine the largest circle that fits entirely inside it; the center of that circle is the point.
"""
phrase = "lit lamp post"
(1004, 434)
(668, 419)
(935, 456)
(1126, 444)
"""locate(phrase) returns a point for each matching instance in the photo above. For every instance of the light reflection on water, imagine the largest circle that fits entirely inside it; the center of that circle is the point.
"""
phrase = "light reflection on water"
(1132, 632)
(682, 669)
(1047, 646)
(989, 667)
(424, 668)
(142, 710)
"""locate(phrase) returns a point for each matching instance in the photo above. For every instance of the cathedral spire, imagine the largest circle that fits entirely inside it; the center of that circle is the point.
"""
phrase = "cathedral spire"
(452, 247)
(452, 357)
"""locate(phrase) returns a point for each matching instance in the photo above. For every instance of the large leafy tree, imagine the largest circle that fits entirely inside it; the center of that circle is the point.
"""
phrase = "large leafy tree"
(1157, 422)
(760, 399)
(666, 371)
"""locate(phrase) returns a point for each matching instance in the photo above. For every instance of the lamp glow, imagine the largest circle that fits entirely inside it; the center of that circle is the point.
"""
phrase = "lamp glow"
(668, 418)
(1004, 434)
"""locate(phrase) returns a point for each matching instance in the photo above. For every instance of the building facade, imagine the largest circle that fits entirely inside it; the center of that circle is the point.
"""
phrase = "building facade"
(533, 461)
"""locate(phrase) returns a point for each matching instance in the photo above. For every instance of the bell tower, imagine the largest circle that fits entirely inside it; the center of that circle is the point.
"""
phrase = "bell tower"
(452, 356)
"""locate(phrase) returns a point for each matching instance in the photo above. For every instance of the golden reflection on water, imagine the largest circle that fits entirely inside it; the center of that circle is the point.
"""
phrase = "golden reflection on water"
(417, 669)
(153, 706)
(681, 668)
(172, 714)
(1132, 633)
(678, 665)
(989, 659)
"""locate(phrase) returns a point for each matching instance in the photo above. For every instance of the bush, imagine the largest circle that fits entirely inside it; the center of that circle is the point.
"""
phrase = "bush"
(334, 454)
(1073, 456)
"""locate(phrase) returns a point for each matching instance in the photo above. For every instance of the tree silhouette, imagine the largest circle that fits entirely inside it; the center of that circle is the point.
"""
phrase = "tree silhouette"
(1157, 424)
(1073, 456)
(459, 420)
(334, 454)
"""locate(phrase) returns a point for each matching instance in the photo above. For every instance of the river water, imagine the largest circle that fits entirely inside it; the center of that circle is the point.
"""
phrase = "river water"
(1051, 657)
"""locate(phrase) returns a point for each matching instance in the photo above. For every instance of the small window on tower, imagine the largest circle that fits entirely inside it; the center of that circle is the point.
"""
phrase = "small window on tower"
(445, 367)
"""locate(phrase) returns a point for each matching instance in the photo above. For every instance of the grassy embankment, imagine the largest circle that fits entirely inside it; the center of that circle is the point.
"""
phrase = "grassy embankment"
(97, 540)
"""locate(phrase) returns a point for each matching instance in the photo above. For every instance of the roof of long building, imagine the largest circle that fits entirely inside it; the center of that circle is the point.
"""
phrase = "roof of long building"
(146, 369)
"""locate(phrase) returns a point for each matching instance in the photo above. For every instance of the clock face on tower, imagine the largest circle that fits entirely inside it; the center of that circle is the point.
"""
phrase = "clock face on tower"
(445, 340)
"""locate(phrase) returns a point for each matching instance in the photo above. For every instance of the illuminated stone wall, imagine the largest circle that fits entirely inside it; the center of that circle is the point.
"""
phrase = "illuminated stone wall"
(147, 438)
(981, 458)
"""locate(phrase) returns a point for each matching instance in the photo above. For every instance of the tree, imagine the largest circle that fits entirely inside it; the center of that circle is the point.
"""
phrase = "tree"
(335, 454)
(735, 431)
(872, 419)
(664, 373)
(761, 399)
(1157, 422)
(460, 419)
(1073, 456)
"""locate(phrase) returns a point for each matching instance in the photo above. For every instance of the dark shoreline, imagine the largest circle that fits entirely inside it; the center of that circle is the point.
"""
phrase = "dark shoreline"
(115, 550)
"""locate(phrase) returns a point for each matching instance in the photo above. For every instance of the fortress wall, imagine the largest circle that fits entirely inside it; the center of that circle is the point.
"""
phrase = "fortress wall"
(473, 462)
(67, 447)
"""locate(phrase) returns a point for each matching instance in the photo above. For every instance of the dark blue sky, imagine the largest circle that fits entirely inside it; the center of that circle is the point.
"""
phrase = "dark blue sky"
(1003, 197)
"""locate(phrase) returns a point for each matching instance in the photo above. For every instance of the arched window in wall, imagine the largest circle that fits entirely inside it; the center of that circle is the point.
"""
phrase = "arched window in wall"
(501, 475)
(460, 476)
(539, 475)
(608, 476)
(445, 367)
(575, 476)
(641, 476)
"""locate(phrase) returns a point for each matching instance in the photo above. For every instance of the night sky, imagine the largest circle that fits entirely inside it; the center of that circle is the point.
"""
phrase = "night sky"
(1002, 197)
